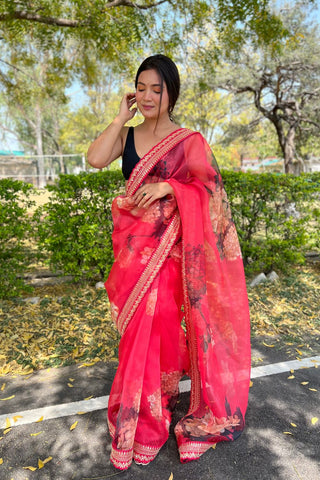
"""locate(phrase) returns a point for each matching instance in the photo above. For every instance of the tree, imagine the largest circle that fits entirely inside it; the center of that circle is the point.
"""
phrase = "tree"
(115, 27)
(284, 86)
(33, 87)
(81, 126)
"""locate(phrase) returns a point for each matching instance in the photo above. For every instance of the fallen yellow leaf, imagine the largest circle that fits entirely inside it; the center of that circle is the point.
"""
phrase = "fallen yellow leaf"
(3, 387)
(314, 420)
(8, 423)
(304, 383)
(7, 430)
(251, 383)
(266, 345)
(35, 434)
(1, 461)
(171, 476)
(291, 377)
(16, 418)
(48, 459)
(313, 389)
(214, 446)
(8, 398)
(88, 398)
(291, 371)
(30, 468)
(87, 365)
(40, 420)
(73, 426)
(71, 379)
(299, 351)
(293, 425)
(288, 433)
(69, 385)
(40, 464)
(81, 413)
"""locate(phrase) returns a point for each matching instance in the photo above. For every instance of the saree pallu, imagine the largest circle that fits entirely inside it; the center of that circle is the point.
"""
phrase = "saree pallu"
(178, 261)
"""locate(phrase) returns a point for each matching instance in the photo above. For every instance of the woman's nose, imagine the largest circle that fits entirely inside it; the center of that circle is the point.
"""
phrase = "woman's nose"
(147, 94)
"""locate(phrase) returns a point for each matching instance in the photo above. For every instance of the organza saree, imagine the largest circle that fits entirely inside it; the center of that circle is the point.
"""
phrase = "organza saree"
(178, 297)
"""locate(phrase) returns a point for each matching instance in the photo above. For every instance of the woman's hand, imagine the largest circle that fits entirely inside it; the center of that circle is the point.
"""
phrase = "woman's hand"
(126, 113)
(151, 192)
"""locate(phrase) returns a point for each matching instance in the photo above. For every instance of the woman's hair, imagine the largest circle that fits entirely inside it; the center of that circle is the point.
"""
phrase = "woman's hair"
(169, 75)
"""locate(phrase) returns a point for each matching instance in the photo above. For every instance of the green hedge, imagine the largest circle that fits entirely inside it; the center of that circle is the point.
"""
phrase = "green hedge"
(73, 229)
(75, 226)
(15, 229)
(272, 235)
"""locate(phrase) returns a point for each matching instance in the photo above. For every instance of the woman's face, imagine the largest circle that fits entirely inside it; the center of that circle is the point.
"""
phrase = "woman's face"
(148, 95)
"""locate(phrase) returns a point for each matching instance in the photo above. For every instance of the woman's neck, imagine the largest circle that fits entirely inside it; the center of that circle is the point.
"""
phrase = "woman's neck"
(156, 126)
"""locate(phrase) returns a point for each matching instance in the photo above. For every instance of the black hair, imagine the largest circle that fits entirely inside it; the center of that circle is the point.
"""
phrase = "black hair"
(169, 75)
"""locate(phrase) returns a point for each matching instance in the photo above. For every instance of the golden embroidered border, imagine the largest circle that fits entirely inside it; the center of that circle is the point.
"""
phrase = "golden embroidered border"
(141, 453)
(193, 450)
(144, 166)
(195, 394)
(121, 459)
(150, 272)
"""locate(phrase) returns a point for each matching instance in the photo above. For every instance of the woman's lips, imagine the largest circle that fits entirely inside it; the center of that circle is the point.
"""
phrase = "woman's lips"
(147, 107)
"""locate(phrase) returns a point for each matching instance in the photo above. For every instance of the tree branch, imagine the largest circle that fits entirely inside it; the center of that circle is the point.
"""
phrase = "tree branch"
(65, 22)
(128, 3)
(33, 17)
(6, 129)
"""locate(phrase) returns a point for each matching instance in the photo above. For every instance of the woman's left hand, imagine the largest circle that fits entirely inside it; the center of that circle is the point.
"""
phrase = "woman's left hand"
(150, 192)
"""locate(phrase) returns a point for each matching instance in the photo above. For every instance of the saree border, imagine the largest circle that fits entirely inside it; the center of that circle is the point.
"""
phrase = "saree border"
(193, 450)
(150, 272)
(122, 459)
(145, 165)
(195, 394)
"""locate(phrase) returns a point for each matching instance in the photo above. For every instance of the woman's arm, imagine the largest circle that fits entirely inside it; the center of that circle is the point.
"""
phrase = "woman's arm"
(109, 145)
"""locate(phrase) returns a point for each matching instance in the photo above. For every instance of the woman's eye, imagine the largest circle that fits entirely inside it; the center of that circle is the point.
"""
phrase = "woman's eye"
(140, 90)
(155, 91)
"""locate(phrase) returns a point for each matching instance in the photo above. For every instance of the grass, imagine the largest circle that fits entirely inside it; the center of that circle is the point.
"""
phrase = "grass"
(72, 323)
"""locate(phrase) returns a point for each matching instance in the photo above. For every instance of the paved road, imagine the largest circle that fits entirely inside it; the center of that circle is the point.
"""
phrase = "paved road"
(263, 452)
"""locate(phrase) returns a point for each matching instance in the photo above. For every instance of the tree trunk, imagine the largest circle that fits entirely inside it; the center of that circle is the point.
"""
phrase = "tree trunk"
(38, 132)
(291, 163)
(287, 143)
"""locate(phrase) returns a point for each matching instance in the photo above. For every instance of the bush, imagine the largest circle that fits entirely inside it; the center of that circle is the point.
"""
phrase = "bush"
(75, 226)
(277, 217)
(274, 217)
(15, 228)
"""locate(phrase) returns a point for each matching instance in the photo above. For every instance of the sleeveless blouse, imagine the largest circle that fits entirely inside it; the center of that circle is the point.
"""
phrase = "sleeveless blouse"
(130, 157)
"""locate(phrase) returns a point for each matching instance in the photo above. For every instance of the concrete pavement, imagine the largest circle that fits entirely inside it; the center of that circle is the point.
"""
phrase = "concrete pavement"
(279, 403)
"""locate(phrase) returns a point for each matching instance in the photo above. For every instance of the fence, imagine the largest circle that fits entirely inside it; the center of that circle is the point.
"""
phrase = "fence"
(40, 170)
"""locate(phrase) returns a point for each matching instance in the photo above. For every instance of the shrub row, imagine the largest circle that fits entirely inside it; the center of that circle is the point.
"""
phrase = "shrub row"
(277, 217)
(74, 228)
(15, 229)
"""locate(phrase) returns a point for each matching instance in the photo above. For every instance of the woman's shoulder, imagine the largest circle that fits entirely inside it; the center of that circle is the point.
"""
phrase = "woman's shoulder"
(194, 135)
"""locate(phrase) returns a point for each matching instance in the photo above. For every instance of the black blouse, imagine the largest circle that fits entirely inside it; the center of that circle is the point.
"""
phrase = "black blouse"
(129, 157)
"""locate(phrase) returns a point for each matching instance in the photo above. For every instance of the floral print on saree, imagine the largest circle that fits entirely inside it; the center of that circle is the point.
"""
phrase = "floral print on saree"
(178, 260)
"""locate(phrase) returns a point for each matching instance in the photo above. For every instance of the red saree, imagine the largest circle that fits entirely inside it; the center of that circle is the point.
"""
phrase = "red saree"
(178, 261)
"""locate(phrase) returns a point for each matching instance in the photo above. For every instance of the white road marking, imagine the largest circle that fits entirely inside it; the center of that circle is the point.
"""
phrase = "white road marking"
(100, 403)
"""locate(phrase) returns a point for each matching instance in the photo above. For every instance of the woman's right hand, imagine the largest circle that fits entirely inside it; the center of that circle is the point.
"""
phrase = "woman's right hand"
(126, 111)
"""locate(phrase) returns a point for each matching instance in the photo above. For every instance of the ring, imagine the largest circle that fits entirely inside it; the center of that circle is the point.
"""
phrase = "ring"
(144, 194)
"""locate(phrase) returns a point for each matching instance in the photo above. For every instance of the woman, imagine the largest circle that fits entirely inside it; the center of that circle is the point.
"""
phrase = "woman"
(177, 259)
